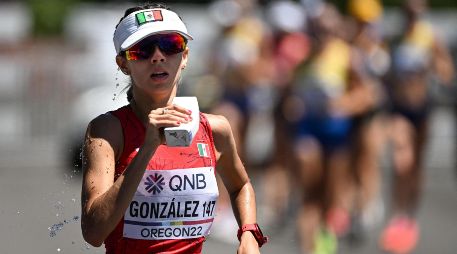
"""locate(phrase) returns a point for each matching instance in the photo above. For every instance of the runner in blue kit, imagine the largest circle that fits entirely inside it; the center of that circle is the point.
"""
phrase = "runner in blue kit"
(138, 194)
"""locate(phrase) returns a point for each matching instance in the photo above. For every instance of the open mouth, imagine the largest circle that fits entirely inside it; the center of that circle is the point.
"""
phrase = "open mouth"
(159, 75)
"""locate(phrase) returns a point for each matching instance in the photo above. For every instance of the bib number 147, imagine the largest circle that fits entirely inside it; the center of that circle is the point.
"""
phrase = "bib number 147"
(208, 208)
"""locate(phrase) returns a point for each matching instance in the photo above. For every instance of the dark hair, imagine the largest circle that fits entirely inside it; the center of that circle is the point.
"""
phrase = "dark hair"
(127, 12)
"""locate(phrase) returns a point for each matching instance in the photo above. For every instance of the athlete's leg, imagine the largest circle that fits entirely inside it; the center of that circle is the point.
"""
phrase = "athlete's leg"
(408, 144)
(310, 174)
(276, 188)
(369, 144)
(340, 189)
(402, 232)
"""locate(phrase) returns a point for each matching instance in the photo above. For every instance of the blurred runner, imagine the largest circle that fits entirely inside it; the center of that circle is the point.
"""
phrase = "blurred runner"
(243, 64)
(418, 58)
(327, 93)
(291, 46)
(368, 127)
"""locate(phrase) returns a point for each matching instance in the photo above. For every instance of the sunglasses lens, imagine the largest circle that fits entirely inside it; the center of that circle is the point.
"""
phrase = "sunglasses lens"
(172, 44)
(133, 55)
(169, 44)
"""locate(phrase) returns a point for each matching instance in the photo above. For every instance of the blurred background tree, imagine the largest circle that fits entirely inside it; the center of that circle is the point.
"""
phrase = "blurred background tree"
(396, 3)
(433, 4)
(341, 3)
(48, 16)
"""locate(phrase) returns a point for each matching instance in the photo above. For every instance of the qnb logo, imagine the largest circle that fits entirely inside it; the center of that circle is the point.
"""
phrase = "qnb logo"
(154, 183)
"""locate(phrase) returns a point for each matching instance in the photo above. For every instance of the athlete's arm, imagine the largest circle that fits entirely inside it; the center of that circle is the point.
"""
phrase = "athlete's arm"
(442, 63)
(236, 180)
(361, 93)
(104, 201)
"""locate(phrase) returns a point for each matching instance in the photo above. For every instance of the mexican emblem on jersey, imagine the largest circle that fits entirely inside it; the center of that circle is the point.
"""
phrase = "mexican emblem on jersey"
(203, 149)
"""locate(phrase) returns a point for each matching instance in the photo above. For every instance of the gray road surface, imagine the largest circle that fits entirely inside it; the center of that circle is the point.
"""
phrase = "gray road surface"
(41, 203)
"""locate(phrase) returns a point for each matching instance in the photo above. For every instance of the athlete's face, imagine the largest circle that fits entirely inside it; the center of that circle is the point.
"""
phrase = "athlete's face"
(155, 64)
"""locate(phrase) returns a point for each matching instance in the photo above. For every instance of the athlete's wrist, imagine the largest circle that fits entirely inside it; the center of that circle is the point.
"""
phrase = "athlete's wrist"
(252, 230)
(247, 238)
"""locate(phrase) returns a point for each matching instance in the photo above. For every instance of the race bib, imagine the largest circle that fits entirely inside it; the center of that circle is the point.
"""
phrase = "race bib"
(172, 204)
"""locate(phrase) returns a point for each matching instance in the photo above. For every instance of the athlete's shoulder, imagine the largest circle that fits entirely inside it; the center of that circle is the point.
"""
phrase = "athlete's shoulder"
(105, 120)
(111, 118)
(219, 124)
(105, 125)
(222, 133)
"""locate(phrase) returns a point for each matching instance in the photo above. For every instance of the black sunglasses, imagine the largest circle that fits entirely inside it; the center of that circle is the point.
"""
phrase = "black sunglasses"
(169, 44)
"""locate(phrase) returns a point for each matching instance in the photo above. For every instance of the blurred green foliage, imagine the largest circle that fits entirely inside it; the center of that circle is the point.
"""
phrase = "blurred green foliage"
(342, 4)
(48, 16)
(432, 4)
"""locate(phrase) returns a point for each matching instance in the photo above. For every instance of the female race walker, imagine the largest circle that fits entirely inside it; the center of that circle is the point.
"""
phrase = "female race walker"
(139, 195)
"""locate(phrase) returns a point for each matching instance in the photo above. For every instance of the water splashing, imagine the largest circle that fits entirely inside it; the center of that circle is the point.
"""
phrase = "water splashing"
(59, 226)
(55, 228)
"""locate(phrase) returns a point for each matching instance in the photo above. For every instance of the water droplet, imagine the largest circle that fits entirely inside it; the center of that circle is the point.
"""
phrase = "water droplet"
(55, 228)
(58, 205)
(58, 249)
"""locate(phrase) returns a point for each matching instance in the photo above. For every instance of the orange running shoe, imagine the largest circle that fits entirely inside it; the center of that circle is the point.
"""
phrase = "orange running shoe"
(400, 236)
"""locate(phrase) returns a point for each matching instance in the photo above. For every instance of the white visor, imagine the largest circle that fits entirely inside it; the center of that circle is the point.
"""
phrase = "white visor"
(141, 24)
